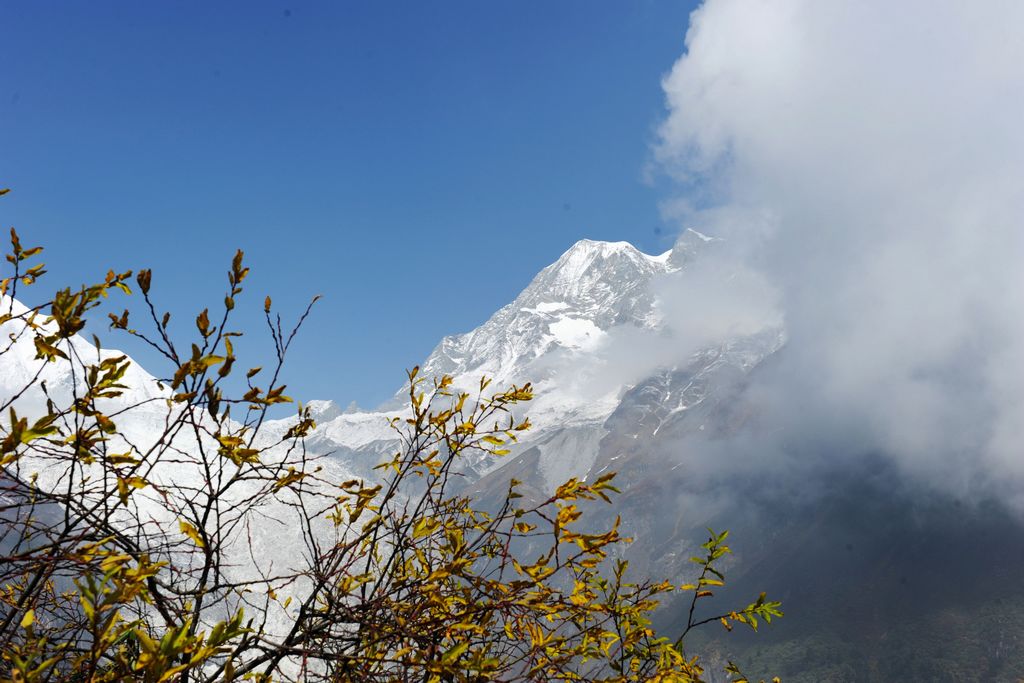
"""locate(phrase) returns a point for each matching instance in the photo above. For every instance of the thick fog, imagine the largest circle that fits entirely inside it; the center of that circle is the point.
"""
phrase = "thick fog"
(864, 163)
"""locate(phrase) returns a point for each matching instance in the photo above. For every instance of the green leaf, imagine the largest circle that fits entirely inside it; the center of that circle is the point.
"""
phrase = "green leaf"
(453, 654)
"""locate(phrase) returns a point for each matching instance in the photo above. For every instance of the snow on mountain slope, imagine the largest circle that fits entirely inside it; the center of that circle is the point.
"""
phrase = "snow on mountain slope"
(20, 367)
(554, 334)
(567, 307)
(561, 318)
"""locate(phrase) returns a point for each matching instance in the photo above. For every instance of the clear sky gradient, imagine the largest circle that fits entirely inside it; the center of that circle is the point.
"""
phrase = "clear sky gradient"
(416, 163)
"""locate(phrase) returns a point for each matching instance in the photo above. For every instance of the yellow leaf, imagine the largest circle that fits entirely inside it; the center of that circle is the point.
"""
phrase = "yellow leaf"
(28, 619)
(424, 527)
(122, 459)
(289, 479)
(125, 486)
(191, 532)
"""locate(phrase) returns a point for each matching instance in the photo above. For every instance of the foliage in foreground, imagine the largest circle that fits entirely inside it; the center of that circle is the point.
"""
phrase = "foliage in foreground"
(130, 555)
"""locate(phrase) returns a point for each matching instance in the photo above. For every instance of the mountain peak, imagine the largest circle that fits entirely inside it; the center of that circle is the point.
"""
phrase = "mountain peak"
(588, 255)
(589, 247)
(568, 308)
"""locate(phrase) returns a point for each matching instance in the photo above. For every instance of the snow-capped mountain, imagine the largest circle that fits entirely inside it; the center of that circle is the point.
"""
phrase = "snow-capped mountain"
(564, 315)
(569, 306)
(554, 335)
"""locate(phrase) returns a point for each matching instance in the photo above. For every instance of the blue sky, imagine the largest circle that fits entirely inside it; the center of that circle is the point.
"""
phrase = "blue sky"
(415, 163)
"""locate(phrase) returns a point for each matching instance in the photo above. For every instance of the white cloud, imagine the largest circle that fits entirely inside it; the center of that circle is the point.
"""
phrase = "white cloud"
(870, 157)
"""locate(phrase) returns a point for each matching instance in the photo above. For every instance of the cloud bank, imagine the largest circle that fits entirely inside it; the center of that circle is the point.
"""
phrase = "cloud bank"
(867, 160)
